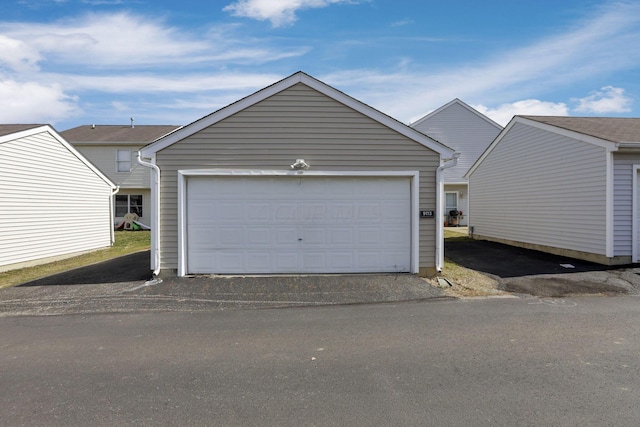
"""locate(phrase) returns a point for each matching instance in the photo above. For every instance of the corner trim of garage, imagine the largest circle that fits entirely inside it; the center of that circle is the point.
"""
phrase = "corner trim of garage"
(182, 202)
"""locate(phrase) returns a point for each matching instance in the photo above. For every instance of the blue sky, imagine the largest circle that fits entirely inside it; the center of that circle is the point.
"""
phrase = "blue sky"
(75, 62)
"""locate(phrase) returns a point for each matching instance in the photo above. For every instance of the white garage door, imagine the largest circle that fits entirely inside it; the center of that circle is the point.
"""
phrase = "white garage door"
(286, 224)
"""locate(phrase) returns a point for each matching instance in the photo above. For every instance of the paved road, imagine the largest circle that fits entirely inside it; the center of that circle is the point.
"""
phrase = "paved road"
(503, 362)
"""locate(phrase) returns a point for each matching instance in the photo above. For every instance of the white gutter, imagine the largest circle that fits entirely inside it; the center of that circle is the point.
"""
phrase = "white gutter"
(111, 216)
(449, 163)
(155, 225)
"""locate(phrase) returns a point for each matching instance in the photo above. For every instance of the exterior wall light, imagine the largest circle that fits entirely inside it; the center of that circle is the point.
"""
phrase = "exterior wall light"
(300, 164)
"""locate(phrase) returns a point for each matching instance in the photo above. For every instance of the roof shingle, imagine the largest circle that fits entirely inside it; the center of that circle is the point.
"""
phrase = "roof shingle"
(614, 129)
(117, 133)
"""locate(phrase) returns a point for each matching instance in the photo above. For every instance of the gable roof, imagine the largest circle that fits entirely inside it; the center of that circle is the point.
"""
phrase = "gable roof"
(9, 129)
(614, 129)
(280, 86)
(608, 132)
(449, 104)
(141, 134)
(29, 130)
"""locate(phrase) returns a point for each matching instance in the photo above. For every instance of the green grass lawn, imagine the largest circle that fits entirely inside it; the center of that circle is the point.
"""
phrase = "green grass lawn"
(127, 242)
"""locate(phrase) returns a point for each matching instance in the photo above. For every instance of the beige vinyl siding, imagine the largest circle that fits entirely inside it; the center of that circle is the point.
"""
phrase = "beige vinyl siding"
(541, 188)
(296, 123)
(623, 202)
(104, 158)
(464, 131)
(51, 203)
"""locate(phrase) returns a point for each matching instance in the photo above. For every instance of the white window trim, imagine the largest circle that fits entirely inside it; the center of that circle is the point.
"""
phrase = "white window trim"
(118, 161)
(182, 201)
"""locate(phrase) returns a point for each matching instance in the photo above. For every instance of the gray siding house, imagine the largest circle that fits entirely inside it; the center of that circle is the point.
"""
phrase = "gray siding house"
(295, 178)
(54, 204)
(564, 185)
(113, 149)
(467, 131)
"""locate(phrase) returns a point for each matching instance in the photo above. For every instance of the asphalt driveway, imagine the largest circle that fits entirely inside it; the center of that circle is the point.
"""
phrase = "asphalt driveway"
(525, 271)
(128, 268)
(510, 261)
(124, 285)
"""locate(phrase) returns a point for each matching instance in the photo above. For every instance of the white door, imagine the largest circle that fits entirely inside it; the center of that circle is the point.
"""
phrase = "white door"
(290, 224)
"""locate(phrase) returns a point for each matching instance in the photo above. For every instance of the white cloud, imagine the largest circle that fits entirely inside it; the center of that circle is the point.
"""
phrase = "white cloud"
(279, 12)
(90, 41)
(18, 55)
(602, 43)
(608, 99)
(531, 107)
(31, 102)
(168, 83)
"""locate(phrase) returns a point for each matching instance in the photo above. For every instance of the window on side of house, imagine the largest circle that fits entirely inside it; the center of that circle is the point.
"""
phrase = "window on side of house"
(128, 203)
(123, 161)
(451, 202)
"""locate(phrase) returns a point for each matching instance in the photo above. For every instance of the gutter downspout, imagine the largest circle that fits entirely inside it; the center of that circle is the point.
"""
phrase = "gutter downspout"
(155, 229)
(449, 163)
(114, 191)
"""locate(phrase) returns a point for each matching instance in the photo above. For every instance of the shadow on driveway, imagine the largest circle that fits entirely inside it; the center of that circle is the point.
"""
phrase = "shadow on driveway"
(510, 261)
(128, 268)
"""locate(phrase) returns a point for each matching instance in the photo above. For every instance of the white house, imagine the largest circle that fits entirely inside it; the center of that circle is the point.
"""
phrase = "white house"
(469, 133)
(564, 185)
(113, 149)
(53, 202)
(295, 178)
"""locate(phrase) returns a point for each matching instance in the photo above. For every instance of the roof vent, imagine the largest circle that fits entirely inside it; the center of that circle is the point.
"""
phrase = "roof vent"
(132, 126)
(93, 126)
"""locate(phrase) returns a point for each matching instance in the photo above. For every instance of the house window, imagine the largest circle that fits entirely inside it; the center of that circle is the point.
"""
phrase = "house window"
(128, 203)
(451, 202)
(123, 161)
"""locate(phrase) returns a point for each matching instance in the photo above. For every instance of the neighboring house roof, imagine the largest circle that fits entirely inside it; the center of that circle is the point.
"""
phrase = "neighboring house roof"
(462, 128)
(9, 129)
(284, 84)
(28, 130)
(104, 134)
(455, 101)
(610, 132)
(614, 129)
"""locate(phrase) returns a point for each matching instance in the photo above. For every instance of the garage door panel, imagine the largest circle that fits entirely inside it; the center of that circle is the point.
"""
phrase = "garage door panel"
(314, 236)
(286, 236)
(313, 212)
(314, 262)
(258, 260)
(285, 262)
(258, 236)
(227, 212)
(340, 236)
(368, 211)
(342, 211)
(394, 211)
(229, 237)
(395, 236)
(284, 211)
(258, 212)
(238, 225)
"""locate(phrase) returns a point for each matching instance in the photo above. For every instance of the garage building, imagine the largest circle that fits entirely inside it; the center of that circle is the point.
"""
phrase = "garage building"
(295, 178)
